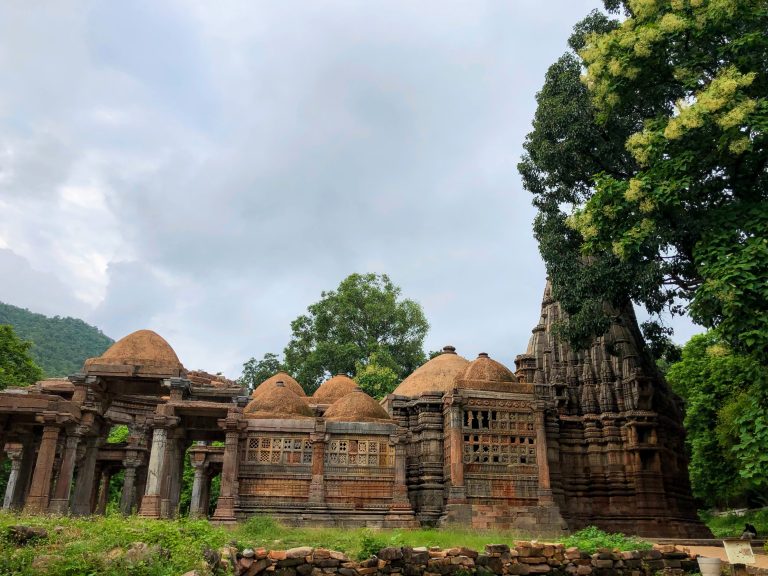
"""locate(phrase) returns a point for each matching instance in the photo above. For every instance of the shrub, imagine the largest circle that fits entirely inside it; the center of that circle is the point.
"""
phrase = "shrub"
(590, 539)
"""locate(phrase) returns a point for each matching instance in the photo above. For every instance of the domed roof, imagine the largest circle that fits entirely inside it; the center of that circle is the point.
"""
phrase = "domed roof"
(437, 375)
(284, 377)
(484, 373)
(356, 406)
(333, 389)
(145, 350)
(278, 401)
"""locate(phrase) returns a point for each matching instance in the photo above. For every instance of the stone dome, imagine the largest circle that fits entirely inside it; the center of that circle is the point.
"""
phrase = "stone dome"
(437, 375)
(333, 389)
(284, 377)
(278, 401)
(356, 406)
(484, 373)
(144, 351)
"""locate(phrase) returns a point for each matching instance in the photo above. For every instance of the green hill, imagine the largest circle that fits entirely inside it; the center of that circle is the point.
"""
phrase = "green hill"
(59, 345)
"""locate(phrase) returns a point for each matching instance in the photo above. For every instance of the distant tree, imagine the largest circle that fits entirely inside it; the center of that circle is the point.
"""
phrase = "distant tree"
(59, 345)
(256, 371)
(376, 376)
(363, 317)
(726, 421)
(16, 365)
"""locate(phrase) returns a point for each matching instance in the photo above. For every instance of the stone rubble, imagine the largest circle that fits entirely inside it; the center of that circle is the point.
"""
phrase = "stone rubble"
(497, 559)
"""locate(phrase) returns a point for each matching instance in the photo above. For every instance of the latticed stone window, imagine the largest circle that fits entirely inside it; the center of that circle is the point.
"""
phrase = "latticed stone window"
(359, 451)
(262, 449)
(498, 449)
(499, 420)
(499, 437)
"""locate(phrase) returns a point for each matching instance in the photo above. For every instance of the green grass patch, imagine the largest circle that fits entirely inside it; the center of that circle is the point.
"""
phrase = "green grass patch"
(94, 546)
(591, 539)
(731, 525)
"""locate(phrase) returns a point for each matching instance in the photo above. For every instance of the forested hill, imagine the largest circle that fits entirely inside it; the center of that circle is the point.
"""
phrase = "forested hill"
(59, 345)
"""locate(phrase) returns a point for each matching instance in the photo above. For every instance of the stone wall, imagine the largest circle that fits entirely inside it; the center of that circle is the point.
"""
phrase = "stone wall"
(522, 559)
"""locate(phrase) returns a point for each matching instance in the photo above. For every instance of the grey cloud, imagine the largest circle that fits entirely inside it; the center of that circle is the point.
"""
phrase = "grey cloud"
(252, 154)
(23, 286)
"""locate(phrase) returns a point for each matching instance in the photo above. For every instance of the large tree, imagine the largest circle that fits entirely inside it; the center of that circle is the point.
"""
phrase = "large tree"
(647, 162)
(364, 318)
(16, 365)
(726, 422)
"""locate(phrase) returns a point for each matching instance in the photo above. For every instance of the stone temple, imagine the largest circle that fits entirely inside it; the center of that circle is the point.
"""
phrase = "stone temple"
(570, 438)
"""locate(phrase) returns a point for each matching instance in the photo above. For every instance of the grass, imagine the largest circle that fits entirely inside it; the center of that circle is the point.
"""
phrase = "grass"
(81, 546)
(732, 525)
(591, 539)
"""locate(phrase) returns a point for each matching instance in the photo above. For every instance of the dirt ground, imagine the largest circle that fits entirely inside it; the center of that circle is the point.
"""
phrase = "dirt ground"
(761, 560)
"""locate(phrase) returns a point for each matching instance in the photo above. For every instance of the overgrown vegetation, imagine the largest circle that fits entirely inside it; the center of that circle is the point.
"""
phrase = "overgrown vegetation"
(17, 368)
(591, 539)
(59, 345)
(732, 525)
(96, 545)
(726, 421)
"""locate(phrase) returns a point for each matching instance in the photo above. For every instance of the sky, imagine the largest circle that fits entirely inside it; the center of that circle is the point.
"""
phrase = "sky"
(207, 169)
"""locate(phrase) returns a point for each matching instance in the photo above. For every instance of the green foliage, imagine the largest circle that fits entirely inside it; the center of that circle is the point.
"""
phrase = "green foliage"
(370, 545)
(363, 317)
(649, 176)
(256, 371)
(82, 545)
(118, 434)
(16, 366)
(59, 345)
(591, 539)
(726, 420)
(732, 525)
(376, 376)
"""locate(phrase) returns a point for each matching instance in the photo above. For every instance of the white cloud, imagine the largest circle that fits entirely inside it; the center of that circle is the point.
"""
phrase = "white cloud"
(206, 170)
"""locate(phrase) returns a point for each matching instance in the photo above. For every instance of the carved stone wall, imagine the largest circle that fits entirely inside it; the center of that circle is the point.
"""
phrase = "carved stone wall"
(614, 430)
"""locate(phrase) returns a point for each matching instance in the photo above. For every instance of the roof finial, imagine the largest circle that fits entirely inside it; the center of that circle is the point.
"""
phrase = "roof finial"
(449, 349)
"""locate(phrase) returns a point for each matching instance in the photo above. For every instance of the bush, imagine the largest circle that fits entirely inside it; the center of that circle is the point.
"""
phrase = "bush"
(591, 539)
(370, 544)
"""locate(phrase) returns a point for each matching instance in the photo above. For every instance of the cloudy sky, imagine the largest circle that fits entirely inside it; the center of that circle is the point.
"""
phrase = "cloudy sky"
(206, 169)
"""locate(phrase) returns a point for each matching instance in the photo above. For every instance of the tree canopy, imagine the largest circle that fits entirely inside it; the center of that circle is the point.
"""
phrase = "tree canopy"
(726, 421)
(364, 318)
(16, 365)
(648, 165)
(256, 371)
(59, 345)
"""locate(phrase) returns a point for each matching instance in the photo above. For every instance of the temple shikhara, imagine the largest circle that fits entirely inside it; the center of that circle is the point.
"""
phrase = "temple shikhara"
(568, 439)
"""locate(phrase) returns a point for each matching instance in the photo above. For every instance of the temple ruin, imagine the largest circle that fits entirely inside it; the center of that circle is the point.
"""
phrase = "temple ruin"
(570, 438)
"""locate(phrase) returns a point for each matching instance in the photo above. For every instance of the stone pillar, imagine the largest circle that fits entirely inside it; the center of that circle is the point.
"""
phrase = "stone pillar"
(25, 472)
(317, 485)
(14, 453)
(40, 490)
(225, 507)
(106, 477)
(457, 492)
(401, 488)
(128, 494)
(170, 474)
(60, 501)
(196, 507)
(177, 472)
(150, 504)
(81, 500)
(545, 490)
